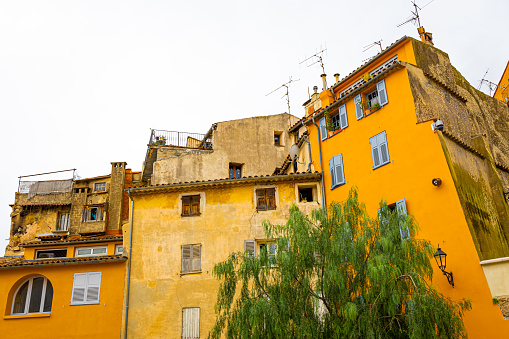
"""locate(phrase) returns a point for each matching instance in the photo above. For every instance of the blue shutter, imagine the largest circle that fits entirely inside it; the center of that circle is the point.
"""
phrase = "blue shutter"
(323, 128)
(374, 151)
(358, 107)
(332, 176)
(339, 170)
(384, 150)
(403, 228)
(343, 119)
(382, 93)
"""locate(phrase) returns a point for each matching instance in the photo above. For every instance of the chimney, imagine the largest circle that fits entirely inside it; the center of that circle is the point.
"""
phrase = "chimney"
(337, 77)
(324, 81)
(426, 37)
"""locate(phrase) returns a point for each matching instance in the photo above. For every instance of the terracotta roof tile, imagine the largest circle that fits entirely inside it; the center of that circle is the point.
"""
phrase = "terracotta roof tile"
(19, 262)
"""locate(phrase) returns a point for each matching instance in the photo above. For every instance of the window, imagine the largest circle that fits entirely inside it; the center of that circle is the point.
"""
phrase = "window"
(379, 150)
(100, 187)
(86, 288)
(323, 128)
(63, 222)
(234, 171)
(340, 120)
(190, 205)
(305, 194)
(54, 253)
(372, 99)
(253, 247)
(377, 96)
(119, 249)
(191, 323)
(191, 258)
(93, 213)
(265, 199)
(34, 296)
(91, 251)
(337, 173)
(400, 208)
(277, 139)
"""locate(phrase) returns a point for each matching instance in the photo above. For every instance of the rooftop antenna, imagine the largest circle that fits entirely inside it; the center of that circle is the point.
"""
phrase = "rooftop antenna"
(379, 43)
(426, 37)
(482, 80)
(319, 59)
(287, 94)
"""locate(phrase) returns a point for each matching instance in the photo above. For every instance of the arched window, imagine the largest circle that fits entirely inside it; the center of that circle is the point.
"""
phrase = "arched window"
(34, 296)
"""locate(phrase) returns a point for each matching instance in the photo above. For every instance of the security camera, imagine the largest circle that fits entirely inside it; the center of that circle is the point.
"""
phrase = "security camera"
(436, 182)
(437, 125)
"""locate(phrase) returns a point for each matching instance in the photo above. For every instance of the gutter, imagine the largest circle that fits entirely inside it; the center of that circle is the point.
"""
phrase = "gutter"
(129, 263)
(324, 202)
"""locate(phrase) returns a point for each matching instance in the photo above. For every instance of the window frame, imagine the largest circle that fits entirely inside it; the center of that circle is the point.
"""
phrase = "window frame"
(336, 163)
(86, 289)
(191, 204)
(66, 221)
(234, 170)
(100, 183)
(192, 259)
(49, 251)
(117, 246)
(91, 248)
(279, 136)
(265, 196)
(100, 214)
(29, 296)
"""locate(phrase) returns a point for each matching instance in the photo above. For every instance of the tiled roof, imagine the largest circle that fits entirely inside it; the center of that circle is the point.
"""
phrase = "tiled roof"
(213, 182)
(19, 262)
(74, 239)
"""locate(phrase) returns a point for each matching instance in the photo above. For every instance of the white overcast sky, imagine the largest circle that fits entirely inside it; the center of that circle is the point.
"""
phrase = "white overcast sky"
(82, 82)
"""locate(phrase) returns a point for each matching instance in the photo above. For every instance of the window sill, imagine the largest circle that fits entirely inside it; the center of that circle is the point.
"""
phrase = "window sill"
(82, 304)
(24, 316)
(190, 215)
(382, 165)
(190, 273)
(332, 188)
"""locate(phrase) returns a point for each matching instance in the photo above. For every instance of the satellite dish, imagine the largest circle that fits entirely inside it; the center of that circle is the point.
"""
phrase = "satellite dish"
(294, 152)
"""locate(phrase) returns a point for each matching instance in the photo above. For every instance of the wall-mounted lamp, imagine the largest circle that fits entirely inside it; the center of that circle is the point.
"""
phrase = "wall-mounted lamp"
(441, 259)
(436, 182)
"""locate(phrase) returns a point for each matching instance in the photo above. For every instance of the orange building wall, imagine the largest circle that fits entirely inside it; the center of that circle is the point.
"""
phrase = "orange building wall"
(65, 321)
(501, 93)
(416, 158)
(71, 249)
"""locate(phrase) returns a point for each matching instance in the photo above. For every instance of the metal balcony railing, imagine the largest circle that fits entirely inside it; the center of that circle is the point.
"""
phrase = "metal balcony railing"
(180, 139)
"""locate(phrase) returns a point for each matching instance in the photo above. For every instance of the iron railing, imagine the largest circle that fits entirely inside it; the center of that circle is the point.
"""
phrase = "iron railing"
(180, 139)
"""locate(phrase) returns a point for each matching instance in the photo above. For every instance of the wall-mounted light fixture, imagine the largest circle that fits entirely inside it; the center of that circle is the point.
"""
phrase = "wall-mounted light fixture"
(436, 182)
(441, 259)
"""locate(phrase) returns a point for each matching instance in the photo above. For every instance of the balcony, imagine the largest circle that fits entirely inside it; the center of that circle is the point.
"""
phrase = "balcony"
(180, 139)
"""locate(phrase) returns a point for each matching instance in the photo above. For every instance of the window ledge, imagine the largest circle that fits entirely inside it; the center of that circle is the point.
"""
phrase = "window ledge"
(332, 188)
(24, 316)
(190, 215)
(81, 304)
(374, 168)
(190, 273)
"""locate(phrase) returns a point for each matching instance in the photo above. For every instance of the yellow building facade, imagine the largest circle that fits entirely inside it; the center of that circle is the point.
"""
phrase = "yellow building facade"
(379, 129)
(502, 91)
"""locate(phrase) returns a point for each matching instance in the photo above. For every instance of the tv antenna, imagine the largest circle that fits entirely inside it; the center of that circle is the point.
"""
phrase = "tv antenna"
(379, 43)
(482, 80)
(319, 59)
(415, 14)
(287, 94)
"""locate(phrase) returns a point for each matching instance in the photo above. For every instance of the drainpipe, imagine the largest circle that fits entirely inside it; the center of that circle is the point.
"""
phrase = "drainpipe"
(324, 202)
(309, 148)
(129, 263)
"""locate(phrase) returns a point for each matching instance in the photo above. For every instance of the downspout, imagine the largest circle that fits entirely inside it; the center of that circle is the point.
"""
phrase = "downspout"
(324, 202)
(309, 149)
(129, 263)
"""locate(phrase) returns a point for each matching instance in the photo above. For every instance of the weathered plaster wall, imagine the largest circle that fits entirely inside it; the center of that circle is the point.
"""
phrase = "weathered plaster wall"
(249, 142)
(228, 217)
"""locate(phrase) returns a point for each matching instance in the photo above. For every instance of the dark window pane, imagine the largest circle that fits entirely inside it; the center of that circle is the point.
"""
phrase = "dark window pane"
(20, 299)
(35, 297)
(93, 213)
(48, 298)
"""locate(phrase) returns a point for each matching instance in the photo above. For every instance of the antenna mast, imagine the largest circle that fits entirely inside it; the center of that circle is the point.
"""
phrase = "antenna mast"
(379, 43)
(319, 59)
(425, 36)
(287, 94)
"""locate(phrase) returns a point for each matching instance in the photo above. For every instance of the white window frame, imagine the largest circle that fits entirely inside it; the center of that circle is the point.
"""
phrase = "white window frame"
(92, 250)
(378, 146)
(118, 247)
(29, 296)
(323, 129)
(63, 218)
(401, 209)
(191, 315)
(87, 288)
(100, 183)
(336, 166)
(49, 250)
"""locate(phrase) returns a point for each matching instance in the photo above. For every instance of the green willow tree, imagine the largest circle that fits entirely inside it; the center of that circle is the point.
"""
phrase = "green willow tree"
(343, 276)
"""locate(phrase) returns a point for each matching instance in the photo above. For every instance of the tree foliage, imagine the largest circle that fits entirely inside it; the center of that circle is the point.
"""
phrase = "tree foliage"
(341, 276)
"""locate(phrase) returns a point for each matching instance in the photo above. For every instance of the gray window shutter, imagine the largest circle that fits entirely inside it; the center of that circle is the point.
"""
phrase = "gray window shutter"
(332, 175)
(196, 261)
(382, 93)
(99, 214)
(343, 119)
(384, 150)
(249, 247)
(403, 228)
(338, 169)
(374, 151)
(186, 258)
(78, 288)
(93, 287)
(358, 107)
(323, 128)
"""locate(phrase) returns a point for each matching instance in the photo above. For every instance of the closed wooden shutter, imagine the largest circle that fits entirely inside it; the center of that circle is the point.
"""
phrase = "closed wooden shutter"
(195, 205)
(196, 260)
(382, 93)
(359, 112)
(343, 119)
(78, 288)
(190, 323)
(403, 227)
(261, 203)
(323, 128)
(271, 198)
(86, 288)
(93, 287)
(186, 205)
(332, 175)
(249, 247)
(186, 258)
